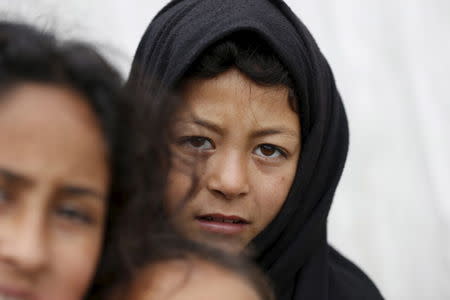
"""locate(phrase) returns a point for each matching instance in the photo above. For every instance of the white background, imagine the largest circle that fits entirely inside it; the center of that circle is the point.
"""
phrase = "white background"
(391, 59)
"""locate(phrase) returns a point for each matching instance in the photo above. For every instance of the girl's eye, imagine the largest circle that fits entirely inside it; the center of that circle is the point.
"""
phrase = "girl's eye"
(269, 151)
(74, 215)
(2, 195)
(197, 143)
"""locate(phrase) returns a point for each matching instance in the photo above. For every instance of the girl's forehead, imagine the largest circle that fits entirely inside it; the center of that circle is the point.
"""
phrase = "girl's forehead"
(232, 84)
(232, 97)
(52, 133)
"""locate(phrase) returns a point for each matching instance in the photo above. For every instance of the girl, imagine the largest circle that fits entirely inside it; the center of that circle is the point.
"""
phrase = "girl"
(262, 119)
(58, 157)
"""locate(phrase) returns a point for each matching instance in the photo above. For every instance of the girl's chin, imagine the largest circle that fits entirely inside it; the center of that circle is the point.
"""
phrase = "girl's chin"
(231, 244)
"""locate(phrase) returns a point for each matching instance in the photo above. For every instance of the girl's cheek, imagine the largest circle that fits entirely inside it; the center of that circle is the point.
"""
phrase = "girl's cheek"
(273, 192)
(73, 265)
(178, 187)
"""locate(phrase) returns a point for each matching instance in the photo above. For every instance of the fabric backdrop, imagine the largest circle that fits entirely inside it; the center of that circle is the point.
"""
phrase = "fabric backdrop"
(391, 214)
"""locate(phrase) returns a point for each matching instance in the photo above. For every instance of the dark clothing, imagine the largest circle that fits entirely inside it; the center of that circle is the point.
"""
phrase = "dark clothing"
(293, 249)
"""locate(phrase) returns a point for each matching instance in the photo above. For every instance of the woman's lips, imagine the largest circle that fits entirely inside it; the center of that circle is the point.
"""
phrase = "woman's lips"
(218, 223)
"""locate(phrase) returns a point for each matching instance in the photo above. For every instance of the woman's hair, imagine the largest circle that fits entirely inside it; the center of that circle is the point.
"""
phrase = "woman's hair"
(28, 55)
(250, 55)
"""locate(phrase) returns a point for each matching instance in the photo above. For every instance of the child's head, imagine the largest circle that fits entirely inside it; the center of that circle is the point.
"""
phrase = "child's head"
(58, 135)
(178, 269)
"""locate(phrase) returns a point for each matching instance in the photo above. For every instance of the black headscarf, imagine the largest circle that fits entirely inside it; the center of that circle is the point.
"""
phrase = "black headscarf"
(293, 249)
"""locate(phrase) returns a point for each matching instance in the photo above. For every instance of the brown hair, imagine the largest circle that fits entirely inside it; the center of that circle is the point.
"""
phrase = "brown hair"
(170, 247)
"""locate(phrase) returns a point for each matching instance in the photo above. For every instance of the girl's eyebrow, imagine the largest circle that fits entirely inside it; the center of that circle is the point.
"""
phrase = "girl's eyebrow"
(77, 191)
(208, 125)
(274, 131)
(68, 190)
(256, 134)
(14, 177)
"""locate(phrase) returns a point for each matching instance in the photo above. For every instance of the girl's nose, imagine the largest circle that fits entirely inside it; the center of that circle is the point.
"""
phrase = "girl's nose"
(228, 175)
(23, 243)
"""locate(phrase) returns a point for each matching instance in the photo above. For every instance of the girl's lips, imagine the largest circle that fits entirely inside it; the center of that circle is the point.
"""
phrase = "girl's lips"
(13, 293)
(218, 223)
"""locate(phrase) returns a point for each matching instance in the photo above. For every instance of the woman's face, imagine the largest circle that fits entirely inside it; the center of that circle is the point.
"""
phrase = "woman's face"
(54, 178)
(244, 143)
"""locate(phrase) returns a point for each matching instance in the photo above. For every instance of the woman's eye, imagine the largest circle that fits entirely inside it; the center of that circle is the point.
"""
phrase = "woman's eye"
(74, 215)
(197, 143)
(269, 151)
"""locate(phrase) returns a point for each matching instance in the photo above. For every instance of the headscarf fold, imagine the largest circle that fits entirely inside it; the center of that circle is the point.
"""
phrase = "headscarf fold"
(293, 248)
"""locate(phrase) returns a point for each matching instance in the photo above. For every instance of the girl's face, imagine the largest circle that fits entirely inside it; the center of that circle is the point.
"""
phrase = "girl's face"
(54, 178)
(244, 143)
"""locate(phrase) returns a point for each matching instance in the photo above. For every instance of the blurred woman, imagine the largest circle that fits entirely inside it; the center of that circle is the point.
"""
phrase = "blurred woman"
(59, 104)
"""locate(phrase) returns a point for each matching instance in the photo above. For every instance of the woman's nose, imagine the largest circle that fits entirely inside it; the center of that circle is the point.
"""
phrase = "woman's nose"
(23, 243)
(227, 175)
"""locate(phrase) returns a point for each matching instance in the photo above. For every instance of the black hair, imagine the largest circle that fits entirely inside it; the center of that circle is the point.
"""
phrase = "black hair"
(28, 55)
(251, 56)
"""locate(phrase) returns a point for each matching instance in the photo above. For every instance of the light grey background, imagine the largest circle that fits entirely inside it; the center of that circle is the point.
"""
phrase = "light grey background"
(391, 59)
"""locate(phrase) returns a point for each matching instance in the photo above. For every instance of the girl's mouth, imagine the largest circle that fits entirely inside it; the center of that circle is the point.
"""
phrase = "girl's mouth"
(13, 294)
(222, 224)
